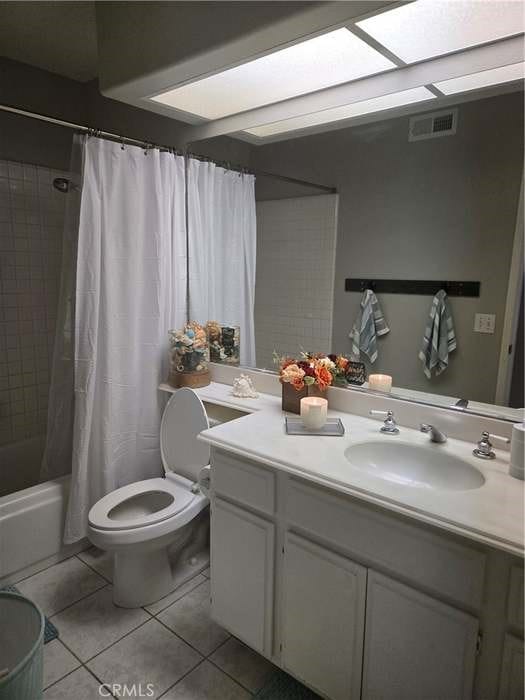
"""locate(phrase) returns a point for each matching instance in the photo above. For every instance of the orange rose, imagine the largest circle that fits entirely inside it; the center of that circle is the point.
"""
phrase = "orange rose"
(294, 375)
(323, 376)
(341, 362)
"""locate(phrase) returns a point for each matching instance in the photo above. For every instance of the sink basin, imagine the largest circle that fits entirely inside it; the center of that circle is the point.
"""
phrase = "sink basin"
(414, 465)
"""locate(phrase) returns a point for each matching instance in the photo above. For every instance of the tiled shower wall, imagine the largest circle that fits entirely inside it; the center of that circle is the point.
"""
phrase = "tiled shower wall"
(31, 221)
(294, 287)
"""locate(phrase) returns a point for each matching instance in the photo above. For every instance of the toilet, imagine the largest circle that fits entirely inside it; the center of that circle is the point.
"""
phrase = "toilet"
(146, 522)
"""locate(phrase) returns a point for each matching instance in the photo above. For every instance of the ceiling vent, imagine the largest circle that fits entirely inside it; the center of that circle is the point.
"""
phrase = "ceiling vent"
(433, 125)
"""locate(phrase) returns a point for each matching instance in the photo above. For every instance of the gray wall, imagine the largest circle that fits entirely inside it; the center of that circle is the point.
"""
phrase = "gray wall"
(29, 141)
(443, 208)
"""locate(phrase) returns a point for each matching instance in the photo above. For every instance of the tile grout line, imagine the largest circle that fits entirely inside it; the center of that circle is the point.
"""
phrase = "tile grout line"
(93, 569)
(197, 584)
(226, 673)
(179, 637)
(58, 612)
(88, 661)
(151, 616)
(193, 668)
(40, 571)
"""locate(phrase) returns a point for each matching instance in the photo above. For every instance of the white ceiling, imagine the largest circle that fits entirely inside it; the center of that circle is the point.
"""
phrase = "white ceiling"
(60, 37)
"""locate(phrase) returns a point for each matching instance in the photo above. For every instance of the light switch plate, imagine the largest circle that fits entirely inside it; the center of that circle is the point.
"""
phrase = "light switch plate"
(485, 323)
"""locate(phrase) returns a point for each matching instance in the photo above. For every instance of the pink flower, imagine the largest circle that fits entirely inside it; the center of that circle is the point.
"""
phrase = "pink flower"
(294, 375)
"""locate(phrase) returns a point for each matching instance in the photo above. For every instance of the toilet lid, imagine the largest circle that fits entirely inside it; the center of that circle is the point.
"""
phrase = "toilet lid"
(184, 418)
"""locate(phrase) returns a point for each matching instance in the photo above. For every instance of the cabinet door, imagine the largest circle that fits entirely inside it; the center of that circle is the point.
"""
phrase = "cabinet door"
(511, 681)
(323, 611)
(242, 563)
(416, 648)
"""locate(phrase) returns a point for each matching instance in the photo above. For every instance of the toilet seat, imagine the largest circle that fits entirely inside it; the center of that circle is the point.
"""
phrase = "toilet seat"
(142, 492)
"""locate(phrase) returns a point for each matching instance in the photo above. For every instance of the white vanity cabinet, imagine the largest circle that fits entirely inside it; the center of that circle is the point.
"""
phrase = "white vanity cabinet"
(356, 601)
(415, 646)
(242, 556)
(323, 615)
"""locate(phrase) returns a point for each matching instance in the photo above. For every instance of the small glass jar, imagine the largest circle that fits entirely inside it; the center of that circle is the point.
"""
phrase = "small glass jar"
(189, 356)
(224, 343)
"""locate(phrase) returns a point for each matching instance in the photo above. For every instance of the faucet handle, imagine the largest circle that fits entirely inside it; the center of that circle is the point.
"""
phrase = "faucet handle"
(389, 426)
(484, 449)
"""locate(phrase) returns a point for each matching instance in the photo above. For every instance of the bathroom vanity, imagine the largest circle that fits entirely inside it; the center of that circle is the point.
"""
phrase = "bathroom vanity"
(365, 583)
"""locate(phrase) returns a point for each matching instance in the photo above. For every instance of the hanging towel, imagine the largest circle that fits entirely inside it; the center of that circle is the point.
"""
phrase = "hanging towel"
(368, 326)
(439, 339)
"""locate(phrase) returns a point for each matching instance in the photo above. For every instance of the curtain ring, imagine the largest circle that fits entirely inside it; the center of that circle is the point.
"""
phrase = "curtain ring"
(122, 146)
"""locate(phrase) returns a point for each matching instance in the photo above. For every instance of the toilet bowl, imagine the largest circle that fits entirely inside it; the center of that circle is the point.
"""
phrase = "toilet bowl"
(140, 522)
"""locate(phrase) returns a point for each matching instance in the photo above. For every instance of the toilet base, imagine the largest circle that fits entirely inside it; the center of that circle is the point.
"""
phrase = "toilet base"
(141, 578)
(146, 573)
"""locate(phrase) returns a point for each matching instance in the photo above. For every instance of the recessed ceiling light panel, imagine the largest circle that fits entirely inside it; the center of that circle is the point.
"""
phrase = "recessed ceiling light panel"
(495, 76)
(326, 60)
(428, 28)
(377, 104)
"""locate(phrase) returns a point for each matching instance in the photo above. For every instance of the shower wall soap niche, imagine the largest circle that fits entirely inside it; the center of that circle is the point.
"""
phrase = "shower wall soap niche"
(189, 357)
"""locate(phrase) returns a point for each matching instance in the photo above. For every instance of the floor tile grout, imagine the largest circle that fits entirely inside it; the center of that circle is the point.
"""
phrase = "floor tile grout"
(182, 677)
(93, 569)
(199, 583)
(251, 692)
(151, 616)
(179, 637)
(21, 580)
(88, 661)
(58, 612)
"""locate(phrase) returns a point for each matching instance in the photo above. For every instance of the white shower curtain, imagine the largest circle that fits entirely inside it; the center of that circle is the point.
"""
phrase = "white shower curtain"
(222, 249)
(131, 283)
(56, 461)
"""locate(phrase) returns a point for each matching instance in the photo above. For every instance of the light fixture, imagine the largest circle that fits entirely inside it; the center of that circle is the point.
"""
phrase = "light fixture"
(494, 76)
(376, 104)
(429, 28)
(330, 59)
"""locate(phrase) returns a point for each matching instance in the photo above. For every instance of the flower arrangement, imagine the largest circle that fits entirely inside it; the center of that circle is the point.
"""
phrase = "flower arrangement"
(312, 370)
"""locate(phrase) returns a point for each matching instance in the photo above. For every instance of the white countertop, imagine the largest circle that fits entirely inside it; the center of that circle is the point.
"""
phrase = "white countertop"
(492, 514)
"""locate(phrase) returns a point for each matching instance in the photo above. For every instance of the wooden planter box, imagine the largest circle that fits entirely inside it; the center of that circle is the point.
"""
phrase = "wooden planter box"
(292, 397)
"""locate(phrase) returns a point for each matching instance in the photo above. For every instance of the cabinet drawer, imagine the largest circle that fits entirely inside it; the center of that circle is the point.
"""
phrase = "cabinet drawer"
(427, 559)
(243, 481)
(515, 599)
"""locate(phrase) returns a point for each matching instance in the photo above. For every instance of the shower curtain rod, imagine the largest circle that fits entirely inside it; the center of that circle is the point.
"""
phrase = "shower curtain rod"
(150, 144)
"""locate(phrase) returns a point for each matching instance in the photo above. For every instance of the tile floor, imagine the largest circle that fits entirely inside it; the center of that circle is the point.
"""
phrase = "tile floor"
(172, 645)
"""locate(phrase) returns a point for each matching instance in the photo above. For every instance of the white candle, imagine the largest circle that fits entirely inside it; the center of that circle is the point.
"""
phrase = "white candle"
(313, 412)
(380, 382)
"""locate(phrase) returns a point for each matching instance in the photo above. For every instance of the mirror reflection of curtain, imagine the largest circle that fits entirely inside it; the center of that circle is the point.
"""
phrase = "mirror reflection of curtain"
(130, 290)
(222, 249)
(56, 461)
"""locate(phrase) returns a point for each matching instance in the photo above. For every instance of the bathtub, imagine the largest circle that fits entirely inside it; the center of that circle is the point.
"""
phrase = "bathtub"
(31, 519)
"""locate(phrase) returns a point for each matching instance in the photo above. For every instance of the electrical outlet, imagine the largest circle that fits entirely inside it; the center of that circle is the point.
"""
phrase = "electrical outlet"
(485, 323)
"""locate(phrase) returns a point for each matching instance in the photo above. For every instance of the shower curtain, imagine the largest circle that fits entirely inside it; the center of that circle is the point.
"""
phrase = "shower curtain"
(222, 249)
(131, 286)
(56, 460)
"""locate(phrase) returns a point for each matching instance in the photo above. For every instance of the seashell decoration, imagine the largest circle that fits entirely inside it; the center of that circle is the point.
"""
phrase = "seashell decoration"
(243, 388)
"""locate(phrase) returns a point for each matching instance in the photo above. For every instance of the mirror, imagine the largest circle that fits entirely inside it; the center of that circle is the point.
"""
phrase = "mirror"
(442, 208)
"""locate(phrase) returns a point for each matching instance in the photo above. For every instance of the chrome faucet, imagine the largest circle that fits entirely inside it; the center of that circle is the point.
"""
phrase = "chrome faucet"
(389, 426)
(484, 447)
(435, 434)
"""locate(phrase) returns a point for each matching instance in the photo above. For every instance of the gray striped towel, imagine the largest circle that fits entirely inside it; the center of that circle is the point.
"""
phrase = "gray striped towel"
(368, 326)
(439, 339)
